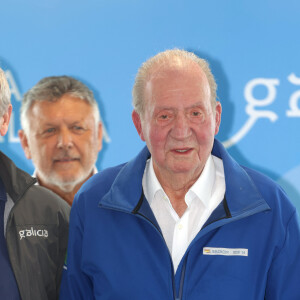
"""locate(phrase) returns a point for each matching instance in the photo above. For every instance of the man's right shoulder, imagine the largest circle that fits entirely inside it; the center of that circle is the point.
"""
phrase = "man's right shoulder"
(101, 182)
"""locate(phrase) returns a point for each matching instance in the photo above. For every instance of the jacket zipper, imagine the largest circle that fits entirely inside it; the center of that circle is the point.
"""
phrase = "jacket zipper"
(208, 228)
(160, 234)
(172, 271)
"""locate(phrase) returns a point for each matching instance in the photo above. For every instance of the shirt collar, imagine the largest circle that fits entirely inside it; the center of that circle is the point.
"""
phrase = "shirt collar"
(201, 189)
(150, 182)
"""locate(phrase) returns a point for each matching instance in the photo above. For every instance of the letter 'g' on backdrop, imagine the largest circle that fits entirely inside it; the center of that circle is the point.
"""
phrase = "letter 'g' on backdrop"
(253, 48)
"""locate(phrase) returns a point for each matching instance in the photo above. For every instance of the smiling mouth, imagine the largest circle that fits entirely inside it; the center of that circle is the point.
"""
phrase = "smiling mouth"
(186, 150)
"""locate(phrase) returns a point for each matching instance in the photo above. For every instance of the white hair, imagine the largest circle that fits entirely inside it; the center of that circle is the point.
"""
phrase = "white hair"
(174, 58)
(4, 93)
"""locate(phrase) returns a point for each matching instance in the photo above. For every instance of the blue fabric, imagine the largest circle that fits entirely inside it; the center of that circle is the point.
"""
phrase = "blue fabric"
(116, 249)
(8, 285)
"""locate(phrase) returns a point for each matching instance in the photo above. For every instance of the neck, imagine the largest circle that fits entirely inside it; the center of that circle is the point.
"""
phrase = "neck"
(66, 192)
(67, 196)
(176, 186)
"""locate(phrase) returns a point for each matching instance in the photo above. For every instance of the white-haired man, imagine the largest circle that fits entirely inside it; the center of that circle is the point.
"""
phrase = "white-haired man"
(61, 133)
(33, 227)
(182, 220)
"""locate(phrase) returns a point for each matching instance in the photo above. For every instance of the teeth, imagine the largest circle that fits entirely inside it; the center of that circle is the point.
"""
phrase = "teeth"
(181, 150)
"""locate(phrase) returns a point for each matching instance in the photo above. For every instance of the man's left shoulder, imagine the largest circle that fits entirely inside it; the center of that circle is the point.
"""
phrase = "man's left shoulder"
(261, 179)
(45, 201)
(271, 191)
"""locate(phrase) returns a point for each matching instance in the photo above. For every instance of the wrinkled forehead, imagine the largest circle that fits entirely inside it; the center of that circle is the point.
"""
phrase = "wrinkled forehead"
(66, 107)
(175, 80)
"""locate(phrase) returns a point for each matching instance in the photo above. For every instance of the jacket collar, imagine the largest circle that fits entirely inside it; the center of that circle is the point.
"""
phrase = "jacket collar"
(126, 189)
(16, 181)
(241, 192)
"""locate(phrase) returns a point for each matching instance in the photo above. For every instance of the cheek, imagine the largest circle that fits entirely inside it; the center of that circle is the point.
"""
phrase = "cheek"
(44, 153)
(155, 136)
(41, 156)
(205, 135)
(45, 149)
(158, 136)
(86, 146)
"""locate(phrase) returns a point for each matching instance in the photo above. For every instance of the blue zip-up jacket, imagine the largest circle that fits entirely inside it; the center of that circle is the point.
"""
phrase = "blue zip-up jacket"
(116, 250)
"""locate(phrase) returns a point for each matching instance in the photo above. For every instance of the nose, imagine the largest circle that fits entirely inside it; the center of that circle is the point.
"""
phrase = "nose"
(181, 127)
(65, 140)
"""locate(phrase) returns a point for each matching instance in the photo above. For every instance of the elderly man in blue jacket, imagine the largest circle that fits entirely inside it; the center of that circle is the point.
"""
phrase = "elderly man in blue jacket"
(182, 220)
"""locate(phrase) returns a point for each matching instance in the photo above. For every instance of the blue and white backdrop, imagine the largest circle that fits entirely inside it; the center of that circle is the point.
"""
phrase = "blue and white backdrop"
(253, 48)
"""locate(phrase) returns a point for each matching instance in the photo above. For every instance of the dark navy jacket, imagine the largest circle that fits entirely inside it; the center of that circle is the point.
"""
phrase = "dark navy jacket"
(36, 234)
(117, 252)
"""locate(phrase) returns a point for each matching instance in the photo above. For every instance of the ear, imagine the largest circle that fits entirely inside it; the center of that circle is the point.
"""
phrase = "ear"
(6, 118)
(100, 136)
(218, 112)
(24, 143)
(138, 124)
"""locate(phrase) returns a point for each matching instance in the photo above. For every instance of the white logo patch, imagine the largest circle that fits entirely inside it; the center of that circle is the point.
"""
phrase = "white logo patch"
(33, 232)
(225, 251)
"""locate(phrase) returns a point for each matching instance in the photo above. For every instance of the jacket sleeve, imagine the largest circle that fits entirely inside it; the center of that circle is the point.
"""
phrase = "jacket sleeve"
(284, 274)
(75, 283)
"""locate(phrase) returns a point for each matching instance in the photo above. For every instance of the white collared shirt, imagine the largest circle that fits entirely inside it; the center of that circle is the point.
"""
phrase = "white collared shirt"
(201, 199)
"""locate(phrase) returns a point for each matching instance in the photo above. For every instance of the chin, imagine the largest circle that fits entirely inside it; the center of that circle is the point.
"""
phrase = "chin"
(69, 177)
(181, 170)
(65, 181)
(183, 167)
